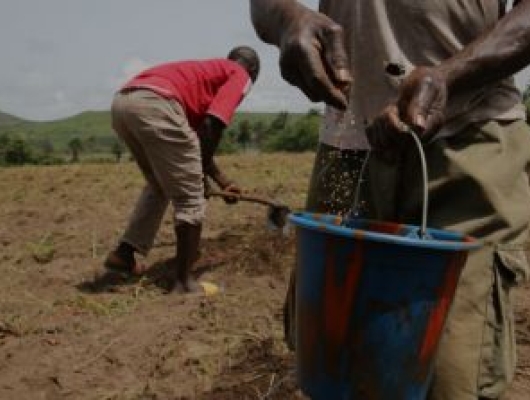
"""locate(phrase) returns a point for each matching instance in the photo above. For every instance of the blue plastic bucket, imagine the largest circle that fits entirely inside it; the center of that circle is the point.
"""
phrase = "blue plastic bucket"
(371, 303)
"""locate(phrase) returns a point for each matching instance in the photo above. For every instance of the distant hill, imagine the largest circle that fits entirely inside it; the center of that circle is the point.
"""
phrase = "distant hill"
(9, 120)
(95, 125)
(59, 132)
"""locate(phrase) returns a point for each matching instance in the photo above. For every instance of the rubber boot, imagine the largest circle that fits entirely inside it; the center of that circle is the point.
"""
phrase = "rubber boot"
(188, 240)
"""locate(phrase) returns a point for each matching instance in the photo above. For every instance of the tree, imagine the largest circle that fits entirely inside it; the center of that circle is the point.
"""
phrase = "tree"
(5, 140)
(302, 135)
(90, 143)
(228, 142)
(244, 135)
(526, 100)
(117, 150)
(526, 93)
(259, 131)
(76, 146)
(314, 112)
(279, 123)
(17, 152)
(45, 146)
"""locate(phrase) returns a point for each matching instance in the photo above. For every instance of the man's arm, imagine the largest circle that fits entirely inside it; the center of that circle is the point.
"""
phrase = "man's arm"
(496, 54)
(312, 54)
(210, 134)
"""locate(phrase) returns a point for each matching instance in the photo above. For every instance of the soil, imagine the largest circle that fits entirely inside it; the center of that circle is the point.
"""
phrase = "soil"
(68, 330)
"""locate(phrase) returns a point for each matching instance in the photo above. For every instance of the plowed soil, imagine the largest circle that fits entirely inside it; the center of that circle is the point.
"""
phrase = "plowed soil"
(70, 331)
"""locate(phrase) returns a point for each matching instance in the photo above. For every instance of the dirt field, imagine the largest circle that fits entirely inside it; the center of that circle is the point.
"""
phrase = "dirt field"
(67, 331)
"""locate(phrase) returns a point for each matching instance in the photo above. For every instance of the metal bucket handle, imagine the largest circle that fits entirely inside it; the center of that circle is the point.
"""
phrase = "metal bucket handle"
(423, 228)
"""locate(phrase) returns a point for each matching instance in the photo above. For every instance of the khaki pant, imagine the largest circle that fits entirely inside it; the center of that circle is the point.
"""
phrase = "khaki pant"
(478, 186)
(167, 150)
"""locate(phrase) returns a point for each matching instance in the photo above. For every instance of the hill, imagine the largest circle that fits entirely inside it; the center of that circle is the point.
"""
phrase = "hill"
(87, 126)
(7, 120)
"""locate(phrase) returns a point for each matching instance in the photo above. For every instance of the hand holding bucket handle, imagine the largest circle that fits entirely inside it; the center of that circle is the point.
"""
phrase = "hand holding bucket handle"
(356, 203)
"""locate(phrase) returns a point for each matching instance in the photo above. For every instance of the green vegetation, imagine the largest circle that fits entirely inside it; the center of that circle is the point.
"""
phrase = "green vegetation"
(88, 137)
(43, 250)
(53, 142)
(526, 100)
(272, 132)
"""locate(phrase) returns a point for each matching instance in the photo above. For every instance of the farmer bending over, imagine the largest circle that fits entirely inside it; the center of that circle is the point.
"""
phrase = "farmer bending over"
(171, 117)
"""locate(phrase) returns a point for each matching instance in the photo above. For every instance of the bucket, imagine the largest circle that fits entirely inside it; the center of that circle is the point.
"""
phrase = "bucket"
(372, 299)
(371, 304)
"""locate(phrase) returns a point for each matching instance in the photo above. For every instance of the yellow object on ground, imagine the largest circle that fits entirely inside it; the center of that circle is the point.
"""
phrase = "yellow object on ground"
(209, 288)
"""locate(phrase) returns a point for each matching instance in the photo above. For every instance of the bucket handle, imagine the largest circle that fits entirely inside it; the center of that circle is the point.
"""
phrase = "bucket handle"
(425, 205)
(423, 228)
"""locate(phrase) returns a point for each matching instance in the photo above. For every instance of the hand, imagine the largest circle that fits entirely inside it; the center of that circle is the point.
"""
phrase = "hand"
(422, 99)
(232, 188)
(313, 58)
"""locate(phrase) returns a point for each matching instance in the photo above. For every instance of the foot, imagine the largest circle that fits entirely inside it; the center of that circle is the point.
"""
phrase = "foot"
(123, 265)
(192, 286)
(185, 286)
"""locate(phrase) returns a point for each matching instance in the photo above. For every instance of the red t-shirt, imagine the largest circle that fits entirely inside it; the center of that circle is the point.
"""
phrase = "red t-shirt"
(203, 87)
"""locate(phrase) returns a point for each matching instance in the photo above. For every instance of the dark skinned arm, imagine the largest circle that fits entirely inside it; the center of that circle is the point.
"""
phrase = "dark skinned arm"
(495, 55)
(210, 134)
(312, 55)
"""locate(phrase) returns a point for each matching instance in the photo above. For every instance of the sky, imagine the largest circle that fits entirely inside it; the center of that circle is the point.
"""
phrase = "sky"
(62, 57)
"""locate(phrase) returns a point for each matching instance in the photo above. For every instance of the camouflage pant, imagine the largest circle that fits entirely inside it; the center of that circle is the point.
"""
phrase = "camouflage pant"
(477, 186)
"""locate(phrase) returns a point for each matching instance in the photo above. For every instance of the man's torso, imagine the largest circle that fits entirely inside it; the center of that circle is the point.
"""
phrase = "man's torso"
(214, 86)
(411, 33)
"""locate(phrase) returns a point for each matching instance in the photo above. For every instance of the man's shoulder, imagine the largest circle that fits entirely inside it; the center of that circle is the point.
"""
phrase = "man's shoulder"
(223, 66)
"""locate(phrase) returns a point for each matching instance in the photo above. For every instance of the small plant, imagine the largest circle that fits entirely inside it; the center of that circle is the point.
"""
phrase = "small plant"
(14, 325)
(102, 307)
(43, 250)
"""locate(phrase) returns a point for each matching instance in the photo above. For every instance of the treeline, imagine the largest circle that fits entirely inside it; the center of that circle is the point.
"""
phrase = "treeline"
(284, 132)
(526, 101)
(87, 137)
(279, 132)
(15, 150)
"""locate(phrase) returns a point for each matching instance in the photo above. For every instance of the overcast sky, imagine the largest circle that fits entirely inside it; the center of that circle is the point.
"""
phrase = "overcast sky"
(61, 57)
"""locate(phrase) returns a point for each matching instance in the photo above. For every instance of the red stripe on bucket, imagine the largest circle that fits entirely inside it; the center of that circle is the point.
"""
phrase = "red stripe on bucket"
(438, 315)
(385, 227)
(309, 323)
(339, 295)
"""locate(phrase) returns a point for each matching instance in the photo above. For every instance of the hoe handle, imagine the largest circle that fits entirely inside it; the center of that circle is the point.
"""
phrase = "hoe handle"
(245, 197)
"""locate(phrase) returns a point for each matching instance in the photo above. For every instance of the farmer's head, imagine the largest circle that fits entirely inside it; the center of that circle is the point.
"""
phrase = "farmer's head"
(246, 57)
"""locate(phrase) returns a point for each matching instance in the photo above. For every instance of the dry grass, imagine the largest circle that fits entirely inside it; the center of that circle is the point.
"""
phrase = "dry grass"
(67, 331)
